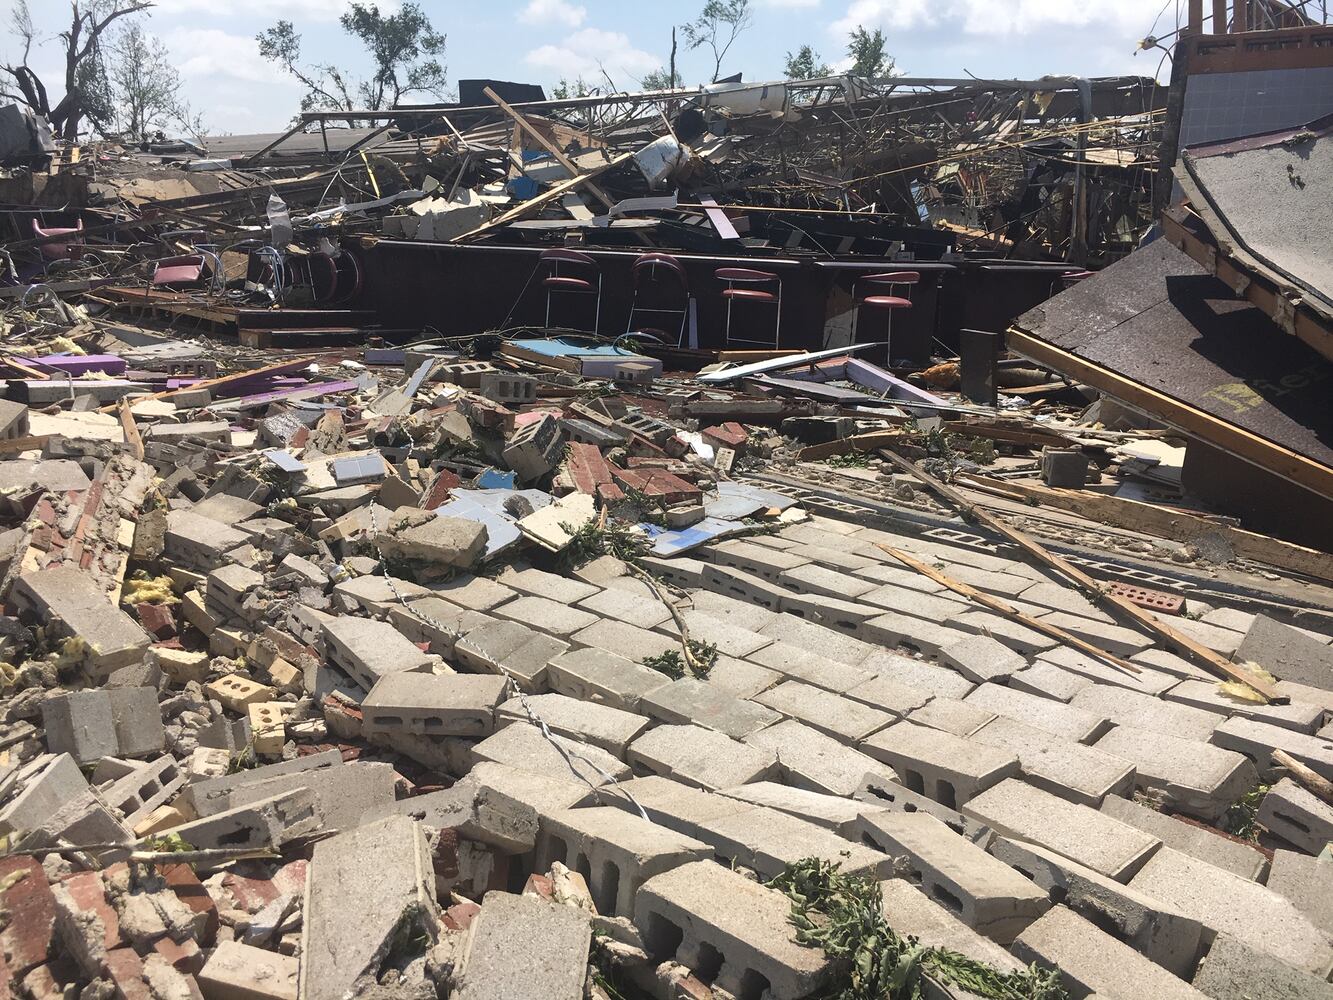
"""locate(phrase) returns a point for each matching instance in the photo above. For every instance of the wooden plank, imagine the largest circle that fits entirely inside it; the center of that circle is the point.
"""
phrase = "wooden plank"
(1236, 440)
(549, 146)
(16, 445)
(132, 436)
(1032, 437)
(1009, 611)
(222, 381)
(1314, 782)
(858, 442)
(1176, 525)
(1178, 641)
(545, 198)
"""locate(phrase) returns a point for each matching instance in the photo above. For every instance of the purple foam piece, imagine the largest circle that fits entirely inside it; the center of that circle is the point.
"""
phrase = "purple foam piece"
(79, 364)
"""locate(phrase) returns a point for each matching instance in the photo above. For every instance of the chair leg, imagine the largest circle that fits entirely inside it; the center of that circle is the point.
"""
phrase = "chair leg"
(888, 340)
(597, 314)
(726, 330)
(777, 321)
(548, 309)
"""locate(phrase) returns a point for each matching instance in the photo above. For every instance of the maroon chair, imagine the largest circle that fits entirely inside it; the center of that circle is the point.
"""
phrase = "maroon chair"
(742, 286)
(660, 269)
(882, 296)
(574, 262)
(56, 250)
(173, 272)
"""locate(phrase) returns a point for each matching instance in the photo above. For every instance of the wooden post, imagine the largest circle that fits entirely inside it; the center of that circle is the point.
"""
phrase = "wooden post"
(1219, 17)
(1195, 24)
(1240, 18)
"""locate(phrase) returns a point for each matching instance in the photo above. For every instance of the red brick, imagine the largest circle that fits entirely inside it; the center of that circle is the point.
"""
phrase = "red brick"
(182, 880)
(32, 914)
(460, 915)
(656, 484)
(539, 885)
(587, 469)
(184, 956)
(157, 620)
(444, 482)
(249, 894)
(88, 893)
(728, 435)
(126, 973)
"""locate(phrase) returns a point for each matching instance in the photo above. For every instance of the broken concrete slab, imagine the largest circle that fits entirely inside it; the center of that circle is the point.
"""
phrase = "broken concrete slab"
(522, 947)
(96, 631)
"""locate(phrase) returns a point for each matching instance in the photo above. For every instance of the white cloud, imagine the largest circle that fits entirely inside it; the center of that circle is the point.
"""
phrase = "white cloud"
(588, 51)
(790, 4)
(204, 54)
(553, 12)
(1129, 19)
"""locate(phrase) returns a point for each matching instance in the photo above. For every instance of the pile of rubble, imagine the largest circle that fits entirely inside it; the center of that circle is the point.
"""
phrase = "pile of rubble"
(451, 677)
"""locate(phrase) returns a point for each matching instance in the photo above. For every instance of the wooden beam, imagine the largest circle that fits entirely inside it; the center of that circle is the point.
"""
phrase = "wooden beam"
(1178, 641)
(1229, 437)
(547, 145)
(1314, 782)
(1009, 611)
(545, 198)
(281, 368)
(1176, 525)
(858, 442)
(15, 445)
(132, 436)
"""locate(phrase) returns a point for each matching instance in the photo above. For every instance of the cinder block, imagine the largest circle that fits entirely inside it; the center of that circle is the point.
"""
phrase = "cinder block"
(69, 602)
(887, 793)
(1298, 817)
(984, 893)
(949, 769)
(523, 946)
(832, 812)
(236, 971)
(981, 659)
(767, 841)
(267, 823)
(1066, 721)
(1126, 707)
(511, 649)
(366, 650)
(79, 723)
(815, 761)
(842, 718)
(1019, 810)
(587, 722)
(1235, 971)
(700, 913)
(910, 911)
(434, 704)
(1190, 777)
(595, 675)
(690, 701)
(698, 756)
(1190, 838)
(1071, 770)
(524, 747)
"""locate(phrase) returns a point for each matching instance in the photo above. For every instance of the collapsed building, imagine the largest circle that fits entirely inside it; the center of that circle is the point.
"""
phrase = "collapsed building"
(781, 540)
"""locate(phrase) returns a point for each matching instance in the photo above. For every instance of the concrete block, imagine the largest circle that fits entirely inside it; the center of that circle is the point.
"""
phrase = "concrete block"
(524, 747)
(437, 622)
(950, 715)
(1298, 817)
(984, 893)
(510, 648)
(367, 890)
(209, 787)
(267, 823)
(1158, 932)
(815, 638)
(341, 794)
(1193, 839)
(1228, 904)
(612, 729)
(916, 604)
(375, 595)
(1188, 776)
(1258, 740)
(236, 971)
(730, 639)
(940, 682)
(1235, 971)
(1115, 639)
(79, 723)
(1019, 810)
(47, 784)
(830, 811)
(1067, 721)
(70, 604)
(1146, 681)
(697, 756)
(539, 583)
(1065, 468)
(1126, 707)
(1287, 653)
(949, 769)
(1062, 767)
(981, 658)
(888, 794)
(434, 704)
(1046, 680)
(766, 841)
(138, 793)
(1090, 961)
(623, 640)
(668, 803)
(596, 675)
(889, 695)
(926, 637)
(910, 911)
(729, 929)
(199, 542)
(476, 809)
(1308, 883)
(809, 759)
(615, 850)
(1026, 642)
(137, 721)
(825, 582)
(690, 701)
(842, 718)
(526, 787)
(741, 678)
(810, 667)
(521, 947)
(1300, 717)
(366, 650)
(632, 609)
(435, 544)
(551, 617)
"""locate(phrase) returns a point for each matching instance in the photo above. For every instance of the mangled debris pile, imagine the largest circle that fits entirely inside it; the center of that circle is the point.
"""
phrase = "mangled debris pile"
(478, 679)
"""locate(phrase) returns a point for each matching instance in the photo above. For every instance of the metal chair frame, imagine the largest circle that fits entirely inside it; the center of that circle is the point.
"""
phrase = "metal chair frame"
(554, 280)
(889, 280)
(649, 263)
(734, 276)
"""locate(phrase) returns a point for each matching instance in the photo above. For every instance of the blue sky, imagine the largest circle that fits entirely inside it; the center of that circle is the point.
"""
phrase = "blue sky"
(540, 41)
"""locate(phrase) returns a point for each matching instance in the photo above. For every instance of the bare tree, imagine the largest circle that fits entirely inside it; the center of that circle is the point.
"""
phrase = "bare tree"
(718, 26)
(145, 86)
(81, 42)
